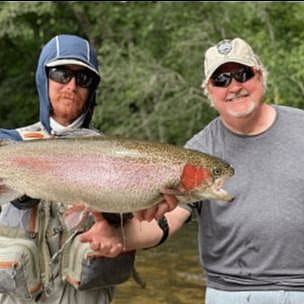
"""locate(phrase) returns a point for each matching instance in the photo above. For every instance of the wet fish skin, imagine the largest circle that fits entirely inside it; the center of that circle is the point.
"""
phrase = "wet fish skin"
(109, 174)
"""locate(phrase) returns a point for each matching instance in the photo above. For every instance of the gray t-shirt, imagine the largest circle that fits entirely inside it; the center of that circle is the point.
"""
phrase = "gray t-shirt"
(257, 241)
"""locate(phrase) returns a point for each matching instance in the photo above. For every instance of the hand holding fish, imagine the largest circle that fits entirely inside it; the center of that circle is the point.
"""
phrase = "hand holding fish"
(104, 238)
(109, 241)
(157, 211)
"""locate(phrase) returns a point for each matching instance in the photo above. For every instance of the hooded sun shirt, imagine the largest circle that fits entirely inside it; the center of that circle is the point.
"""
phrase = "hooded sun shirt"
(61, 50)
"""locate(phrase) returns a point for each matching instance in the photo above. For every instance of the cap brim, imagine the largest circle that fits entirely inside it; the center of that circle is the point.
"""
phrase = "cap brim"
(215, 67)
(70, 61)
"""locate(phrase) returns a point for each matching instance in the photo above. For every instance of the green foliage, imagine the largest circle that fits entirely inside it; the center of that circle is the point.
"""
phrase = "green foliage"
(151, 101)
(151, 56)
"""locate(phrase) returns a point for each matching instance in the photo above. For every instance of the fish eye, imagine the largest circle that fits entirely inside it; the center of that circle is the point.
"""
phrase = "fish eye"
(217, 171)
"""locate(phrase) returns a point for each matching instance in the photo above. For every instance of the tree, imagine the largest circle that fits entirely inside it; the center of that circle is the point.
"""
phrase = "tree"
(151, 56)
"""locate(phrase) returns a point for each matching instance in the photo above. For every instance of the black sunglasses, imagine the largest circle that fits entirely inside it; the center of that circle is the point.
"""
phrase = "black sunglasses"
(224, 79)
(84, 78)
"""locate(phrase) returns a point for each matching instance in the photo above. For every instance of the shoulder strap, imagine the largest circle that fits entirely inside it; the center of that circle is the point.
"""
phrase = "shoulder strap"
(45, 265)
(29, 233)
(34, 131)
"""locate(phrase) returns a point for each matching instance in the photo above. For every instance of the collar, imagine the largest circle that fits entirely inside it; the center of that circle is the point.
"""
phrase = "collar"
(58, 129)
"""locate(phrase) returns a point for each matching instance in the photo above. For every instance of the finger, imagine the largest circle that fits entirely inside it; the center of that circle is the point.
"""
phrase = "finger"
(97, 215)
(145, 215)
(85, 237)
(161, 210)
(107, 250)
(111, 253)
(95, 246)
(171, 201)
(149, 214)
(139, 215)
(115, 250)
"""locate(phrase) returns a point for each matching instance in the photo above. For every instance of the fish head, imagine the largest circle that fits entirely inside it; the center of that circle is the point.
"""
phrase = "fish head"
(205, 180)
(214, 189)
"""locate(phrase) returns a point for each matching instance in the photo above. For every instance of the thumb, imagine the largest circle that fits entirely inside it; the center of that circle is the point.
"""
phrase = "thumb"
(85, 237)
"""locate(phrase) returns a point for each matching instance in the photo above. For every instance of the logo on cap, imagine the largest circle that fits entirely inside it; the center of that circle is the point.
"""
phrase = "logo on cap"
(224, 47)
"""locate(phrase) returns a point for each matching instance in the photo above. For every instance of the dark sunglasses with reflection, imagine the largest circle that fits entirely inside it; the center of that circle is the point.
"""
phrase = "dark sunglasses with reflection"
(84, 77)
(224, 79)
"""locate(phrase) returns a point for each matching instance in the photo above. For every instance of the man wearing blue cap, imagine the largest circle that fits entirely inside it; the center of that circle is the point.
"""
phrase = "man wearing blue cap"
(41, 259)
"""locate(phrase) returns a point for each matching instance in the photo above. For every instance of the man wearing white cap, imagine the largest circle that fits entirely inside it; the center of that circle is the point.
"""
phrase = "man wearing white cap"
(252, 249)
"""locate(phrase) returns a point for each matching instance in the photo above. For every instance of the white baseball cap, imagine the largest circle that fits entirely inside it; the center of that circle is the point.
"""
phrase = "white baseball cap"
(235, 50)
(67, 61)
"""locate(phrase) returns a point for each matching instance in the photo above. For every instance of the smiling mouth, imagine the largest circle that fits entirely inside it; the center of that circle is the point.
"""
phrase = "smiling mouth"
(236, 98)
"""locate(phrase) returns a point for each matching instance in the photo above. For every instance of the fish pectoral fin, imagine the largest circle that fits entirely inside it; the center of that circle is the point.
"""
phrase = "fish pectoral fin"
(7, 194)
(172, 191)
(75, 215)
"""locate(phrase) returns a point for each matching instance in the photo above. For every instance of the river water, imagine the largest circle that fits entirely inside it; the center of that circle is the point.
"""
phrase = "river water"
(171, 272)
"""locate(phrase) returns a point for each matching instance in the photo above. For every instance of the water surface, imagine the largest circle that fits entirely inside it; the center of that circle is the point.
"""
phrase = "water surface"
(171, 272)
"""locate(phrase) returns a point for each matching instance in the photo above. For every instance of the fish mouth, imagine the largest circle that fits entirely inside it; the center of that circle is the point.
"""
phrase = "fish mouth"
(223, 195)
(214, 191)
(219, 191)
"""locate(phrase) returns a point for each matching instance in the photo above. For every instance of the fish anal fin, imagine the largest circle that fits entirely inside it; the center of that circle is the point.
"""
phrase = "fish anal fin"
(7, 194)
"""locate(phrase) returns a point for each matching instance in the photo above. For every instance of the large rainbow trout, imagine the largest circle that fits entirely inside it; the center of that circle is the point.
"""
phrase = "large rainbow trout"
(109, 174)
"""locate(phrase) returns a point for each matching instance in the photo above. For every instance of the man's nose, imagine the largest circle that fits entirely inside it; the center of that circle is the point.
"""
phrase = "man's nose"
(72, 83)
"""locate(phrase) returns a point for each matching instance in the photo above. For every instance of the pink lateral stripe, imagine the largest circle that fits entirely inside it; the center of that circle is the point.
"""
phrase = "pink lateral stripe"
(99, 170)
